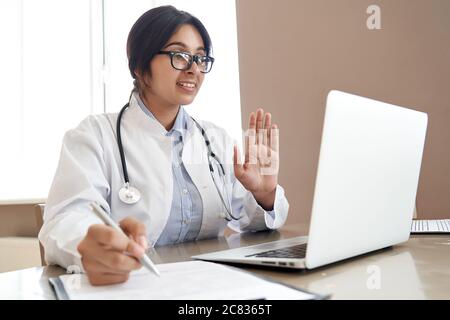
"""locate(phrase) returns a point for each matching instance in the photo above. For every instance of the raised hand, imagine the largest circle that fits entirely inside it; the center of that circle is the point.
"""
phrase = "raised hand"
(259, 172)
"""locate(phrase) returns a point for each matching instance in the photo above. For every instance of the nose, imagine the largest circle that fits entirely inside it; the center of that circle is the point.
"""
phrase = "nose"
(193, 69)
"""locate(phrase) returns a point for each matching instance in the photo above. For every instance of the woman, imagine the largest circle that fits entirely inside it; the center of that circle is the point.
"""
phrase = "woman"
(168, 159)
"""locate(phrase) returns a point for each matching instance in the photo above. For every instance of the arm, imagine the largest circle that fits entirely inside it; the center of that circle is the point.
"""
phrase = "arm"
(72, 235)
(263, 203)
(254, 217)
(79, 179)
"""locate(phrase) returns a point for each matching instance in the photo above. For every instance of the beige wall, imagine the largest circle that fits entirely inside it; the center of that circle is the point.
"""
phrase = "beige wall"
(19, 247)
(292, 52)
(18, 220)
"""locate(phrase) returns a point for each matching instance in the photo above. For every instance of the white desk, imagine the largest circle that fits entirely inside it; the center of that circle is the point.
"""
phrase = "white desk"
(416, 269)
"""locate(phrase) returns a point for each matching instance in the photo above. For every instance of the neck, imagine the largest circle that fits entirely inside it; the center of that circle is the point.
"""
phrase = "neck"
(163, 112)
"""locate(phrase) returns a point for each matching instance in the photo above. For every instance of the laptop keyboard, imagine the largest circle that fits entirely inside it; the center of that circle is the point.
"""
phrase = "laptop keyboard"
(296, 252)
(431, 226)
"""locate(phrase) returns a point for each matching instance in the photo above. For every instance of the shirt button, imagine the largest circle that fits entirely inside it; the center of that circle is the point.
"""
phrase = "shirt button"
(185, 191)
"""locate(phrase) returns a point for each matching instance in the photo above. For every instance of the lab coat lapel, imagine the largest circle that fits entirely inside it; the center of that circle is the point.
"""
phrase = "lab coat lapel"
(149, 159)
(196, 162)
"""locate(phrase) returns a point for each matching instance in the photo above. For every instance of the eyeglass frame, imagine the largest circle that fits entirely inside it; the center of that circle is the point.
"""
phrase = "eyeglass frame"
(194, 58)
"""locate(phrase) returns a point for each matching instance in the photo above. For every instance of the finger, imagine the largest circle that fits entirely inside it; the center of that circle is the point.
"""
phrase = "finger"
(250, 147)
(236, 155)
(246, 146)
(274, 138)
(263, 151)
(99, 258)
(118, 261)
(95, 266)
(101, 279)
(259, 137)
(252, 121)
(251, 155)
(114, 240)
(136, 230)
(250, 132)
(259, 124)
(91, 252)
(238, 169)
(106, 235)
(267, 126)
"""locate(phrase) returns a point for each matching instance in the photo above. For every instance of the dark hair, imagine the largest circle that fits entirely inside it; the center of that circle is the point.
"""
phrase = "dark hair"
(151, 32)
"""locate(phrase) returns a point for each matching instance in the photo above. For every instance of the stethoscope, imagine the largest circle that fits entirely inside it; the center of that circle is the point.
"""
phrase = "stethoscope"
(131, 195)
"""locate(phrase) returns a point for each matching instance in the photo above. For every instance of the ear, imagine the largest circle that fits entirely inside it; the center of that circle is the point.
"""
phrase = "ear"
(142, 78)
(138, 75)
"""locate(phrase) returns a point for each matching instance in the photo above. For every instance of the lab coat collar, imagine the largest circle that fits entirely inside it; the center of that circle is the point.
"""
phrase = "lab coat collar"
(139, 119)
(182, 123)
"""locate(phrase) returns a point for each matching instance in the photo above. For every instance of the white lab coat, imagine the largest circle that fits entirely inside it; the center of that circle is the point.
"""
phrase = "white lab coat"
(90, 170)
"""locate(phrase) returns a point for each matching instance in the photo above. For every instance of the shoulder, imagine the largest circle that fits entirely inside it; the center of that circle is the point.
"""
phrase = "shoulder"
(95, 126)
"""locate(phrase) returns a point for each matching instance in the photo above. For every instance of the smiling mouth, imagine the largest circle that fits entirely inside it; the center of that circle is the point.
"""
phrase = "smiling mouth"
(188, 85)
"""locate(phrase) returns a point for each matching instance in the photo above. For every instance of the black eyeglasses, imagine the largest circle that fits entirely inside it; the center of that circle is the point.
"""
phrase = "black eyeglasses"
(183, 61)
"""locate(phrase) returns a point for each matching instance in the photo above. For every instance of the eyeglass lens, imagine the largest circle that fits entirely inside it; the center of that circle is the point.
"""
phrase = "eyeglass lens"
(182, 61)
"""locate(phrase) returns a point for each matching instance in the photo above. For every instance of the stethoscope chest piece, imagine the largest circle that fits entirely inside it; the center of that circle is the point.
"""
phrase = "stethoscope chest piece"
(129, 195)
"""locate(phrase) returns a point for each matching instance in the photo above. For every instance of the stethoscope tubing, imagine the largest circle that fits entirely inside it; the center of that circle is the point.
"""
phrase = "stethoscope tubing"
(211, 154)
(119, 142)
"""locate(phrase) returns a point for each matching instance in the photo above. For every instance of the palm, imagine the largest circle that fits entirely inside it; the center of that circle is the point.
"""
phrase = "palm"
(259, 172)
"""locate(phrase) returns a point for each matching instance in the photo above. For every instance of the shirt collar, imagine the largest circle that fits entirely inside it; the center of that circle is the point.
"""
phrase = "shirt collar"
(180, 125)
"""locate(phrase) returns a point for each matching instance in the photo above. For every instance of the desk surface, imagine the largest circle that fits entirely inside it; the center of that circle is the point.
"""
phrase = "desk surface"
(416, 269)
(20, 201)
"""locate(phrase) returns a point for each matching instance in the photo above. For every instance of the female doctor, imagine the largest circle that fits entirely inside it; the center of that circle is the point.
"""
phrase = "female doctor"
(164, 176)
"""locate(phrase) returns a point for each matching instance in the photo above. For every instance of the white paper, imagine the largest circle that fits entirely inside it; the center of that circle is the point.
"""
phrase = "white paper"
(191, 280)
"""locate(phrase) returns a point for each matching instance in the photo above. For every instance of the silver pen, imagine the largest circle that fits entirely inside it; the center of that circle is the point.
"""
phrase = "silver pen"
(100, 212)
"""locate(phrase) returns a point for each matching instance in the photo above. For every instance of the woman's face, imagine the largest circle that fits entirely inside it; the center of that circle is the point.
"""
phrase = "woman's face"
(168, 86)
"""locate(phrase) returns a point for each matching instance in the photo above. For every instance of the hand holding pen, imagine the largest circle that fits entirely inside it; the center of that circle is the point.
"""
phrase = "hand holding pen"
(109, 255)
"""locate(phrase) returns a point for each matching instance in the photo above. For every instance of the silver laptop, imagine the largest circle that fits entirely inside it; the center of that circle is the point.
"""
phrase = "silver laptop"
(366, 184)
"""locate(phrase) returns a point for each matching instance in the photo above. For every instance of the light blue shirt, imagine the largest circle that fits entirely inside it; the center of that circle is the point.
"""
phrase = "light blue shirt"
(186, 213)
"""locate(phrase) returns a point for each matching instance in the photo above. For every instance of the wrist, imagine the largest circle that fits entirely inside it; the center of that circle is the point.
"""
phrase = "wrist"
(266, 199)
